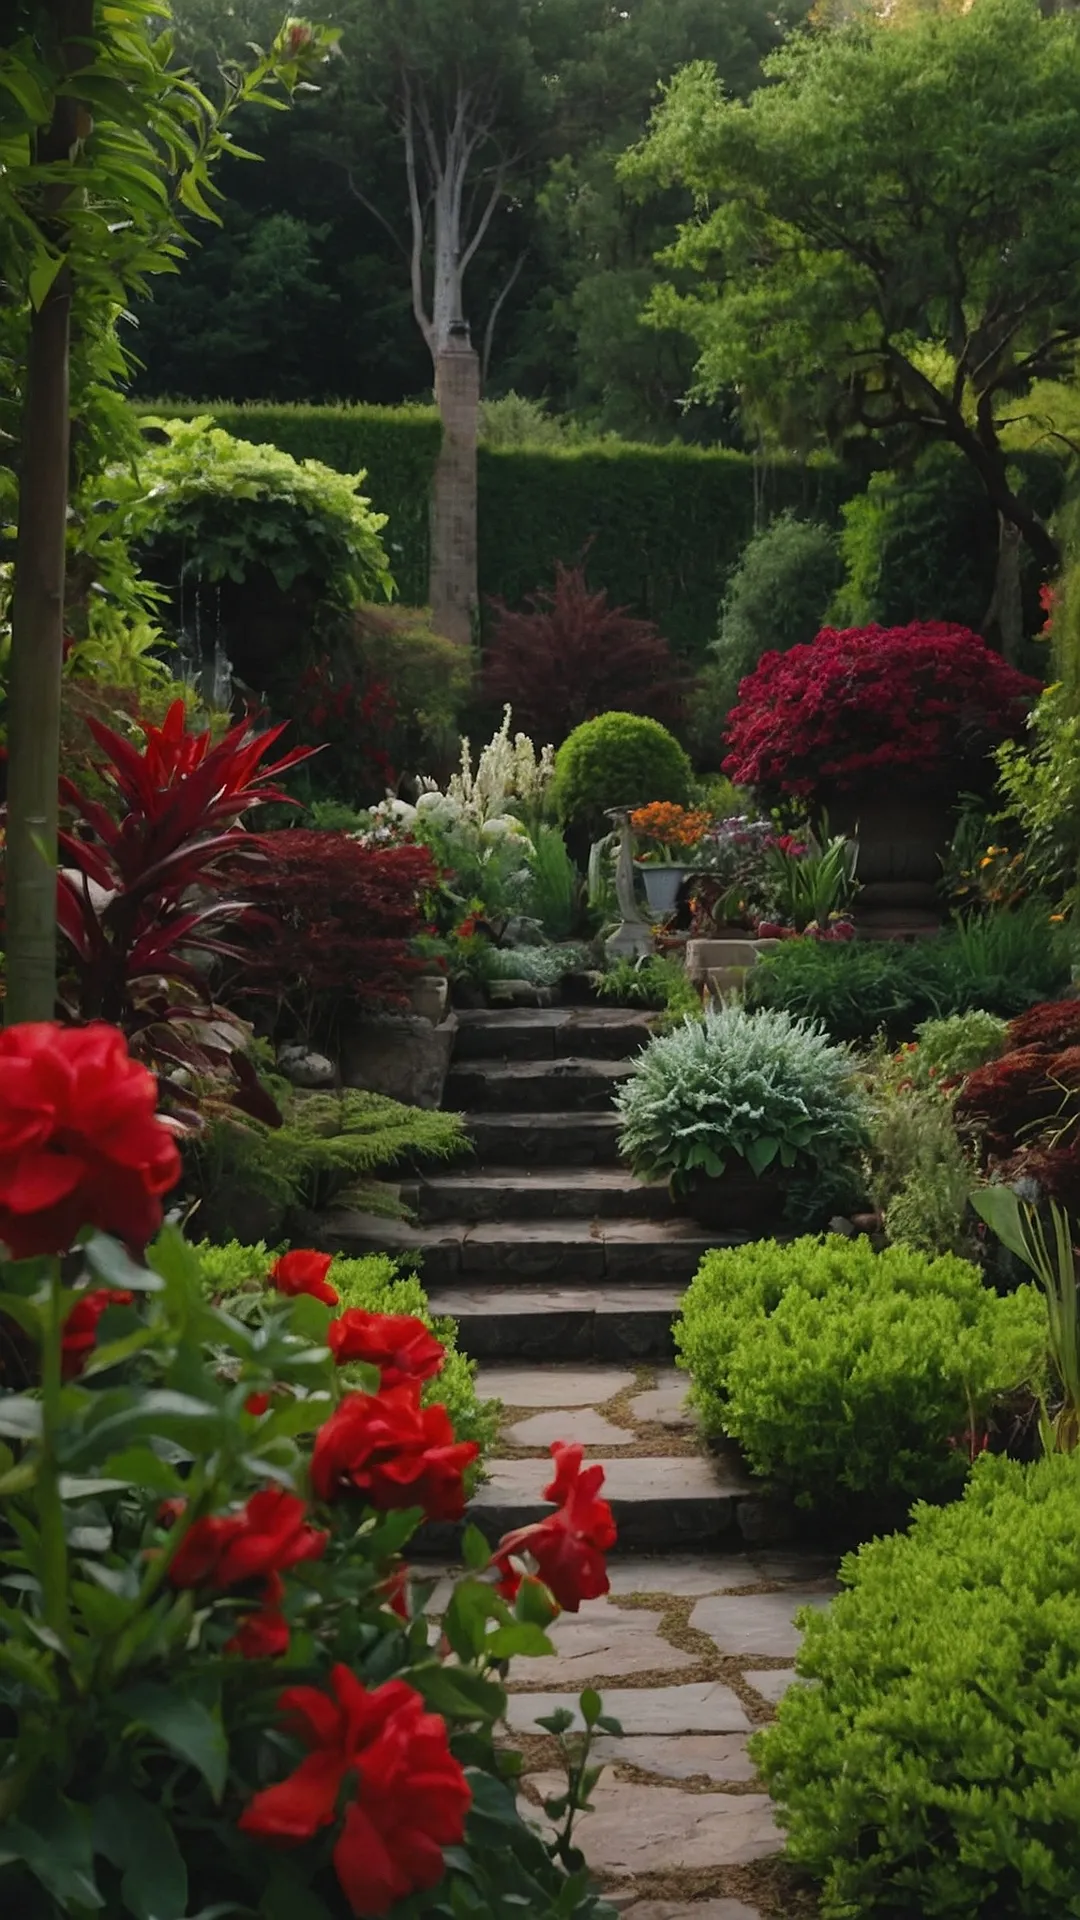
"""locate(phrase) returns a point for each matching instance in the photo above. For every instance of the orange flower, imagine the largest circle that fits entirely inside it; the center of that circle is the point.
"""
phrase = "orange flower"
(670, 824)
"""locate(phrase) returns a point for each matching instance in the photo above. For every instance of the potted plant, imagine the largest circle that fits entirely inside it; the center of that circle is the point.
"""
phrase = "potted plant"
(884, 727)
(670, 834)
(736, 1109)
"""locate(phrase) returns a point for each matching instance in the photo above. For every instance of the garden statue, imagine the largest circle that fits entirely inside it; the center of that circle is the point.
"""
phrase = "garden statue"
(632, 938)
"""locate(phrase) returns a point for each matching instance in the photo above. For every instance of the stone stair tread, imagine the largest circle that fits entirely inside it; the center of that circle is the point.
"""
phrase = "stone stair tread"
(530, 1192)
(636, 1478)
(537, 1324)
(521, 1301)
(546, 1179)
(556, 1138)
(567, 1067)
(550, 1033)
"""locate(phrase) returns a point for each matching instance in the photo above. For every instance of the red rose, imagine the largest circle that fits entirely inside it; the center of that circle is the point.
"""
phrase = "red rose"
(305, 1271)
(395, 1452)
(568, 1546)
(394, 1592)
(397, 1343)
(408, 1796)
(257, 1404)
(80, 1141)
(263, 1635)
(266, 1537)
(80, 1328)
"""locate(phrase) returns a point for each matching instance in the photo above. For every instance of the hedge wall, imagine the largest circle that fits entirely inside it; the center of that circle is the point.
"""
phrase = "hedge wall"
(396, 446)
(663, 525)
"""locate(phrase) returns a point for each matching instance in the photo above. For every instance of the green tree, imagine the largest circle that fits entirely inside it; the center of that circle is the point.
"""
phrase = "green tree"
(102, 141)
(887, 237)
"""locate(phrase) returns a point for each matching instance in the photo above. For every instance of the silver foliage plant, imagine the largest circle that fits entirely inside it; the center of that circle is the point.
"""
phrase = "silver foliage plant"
(762, 1086)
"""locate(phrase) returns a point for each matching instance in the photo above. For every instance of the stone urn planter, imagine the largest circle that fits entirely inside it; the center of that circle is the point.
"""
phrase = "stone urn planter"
(901, 825)
(399, 1055)
(662, 883)
(737, 1199)
(722, 965)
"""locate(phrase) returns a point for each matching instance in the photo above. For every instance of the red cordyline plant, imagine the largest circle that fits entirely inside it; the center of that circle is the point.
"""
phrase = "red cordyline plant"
(140, 897)
(868, 699)
(331, 924)
(570, 656)
(221, 1692)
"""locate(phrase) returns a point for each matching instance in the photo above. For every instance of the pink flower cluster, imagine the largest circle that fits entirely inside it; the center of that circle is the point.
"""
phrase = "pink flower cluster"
(864, 698)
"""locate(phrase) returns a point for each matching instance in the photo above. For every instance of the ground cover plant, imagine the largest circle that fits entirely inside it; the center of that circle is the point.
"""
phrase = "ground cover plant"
(931, 1768)
(758, 1089)
(220, 1683)
(1001, 965)
(901, 1362)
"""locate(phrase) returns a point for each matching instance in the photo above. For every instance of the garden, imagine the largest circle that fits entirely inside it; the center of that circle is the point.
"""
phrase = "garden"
(425, 988)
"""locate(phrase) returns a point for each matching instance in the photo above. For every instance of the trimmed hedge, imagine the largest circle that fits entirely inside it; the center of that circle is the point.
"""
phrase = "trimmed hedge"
(660, 527)
(931, 1770)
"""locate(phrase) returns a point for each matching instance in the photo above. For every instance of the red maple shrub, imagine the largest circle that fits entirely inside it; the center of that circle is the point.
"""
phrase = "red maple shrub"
(330, 924)
(862, 699)
(569, 656)
(351, 720)
(1051, 1027)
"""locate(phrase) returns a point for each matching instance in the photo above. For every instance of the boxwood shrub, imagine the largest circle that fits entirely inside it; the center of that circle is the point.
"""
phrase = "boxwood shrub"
(848, 1375)
(932, 1771)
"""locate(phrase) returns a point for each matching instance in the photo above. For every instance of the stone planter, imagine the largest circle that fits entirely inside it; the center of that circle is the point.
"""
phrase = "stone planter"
(399, 1055)
(662, 883)
(429, 997)
(722, 965)
(738, 1199)
(902, 824)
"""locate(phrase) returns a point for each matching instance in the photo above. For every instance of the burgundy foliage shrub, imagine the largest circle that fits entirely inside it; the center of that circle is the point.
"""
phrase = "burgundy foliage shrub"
(331, 922)
(864, 700)
(569, 656)
(351, 719)
(1024, 1109)
(1051, 1027)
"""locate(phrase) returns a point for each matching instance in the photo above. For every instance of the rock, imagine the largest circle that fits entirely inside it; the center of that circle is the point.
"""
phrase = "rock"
(757, 1623)
(764, 1522)
(552, 1386)
(665, 1403)
(681, 1756)
(399, 1055)
(603, 1641)
(684, 1577)
(429, 997)
(645, 1829)
(520, 931)
(702, 1706)
(519, 993)
(773, 1682)
(689, 1910)
(306, 1068)
(578, 1426)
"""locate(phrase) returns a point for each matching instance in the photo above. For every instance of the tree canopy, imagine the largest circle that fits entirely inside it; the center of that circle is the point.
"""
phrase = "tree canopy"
(886, 236)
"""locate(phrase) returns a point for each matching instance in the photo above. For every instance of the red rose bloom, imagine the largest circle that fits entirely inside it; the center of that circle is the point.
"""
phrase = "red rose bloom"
(568, 1546)
(266, 1537)
(305, 1271)
(394, 1452)
(397, 1343)
(408, 1796)
(263, 1635)
(80, 1141)
(257, 1404)
(80, 1328)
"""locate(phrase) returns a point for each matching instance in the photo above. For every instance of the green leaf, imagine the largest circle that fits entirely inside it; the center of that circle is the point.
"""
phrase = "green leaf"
(1001, 1208)
(466, 1617)
(591, 1706)
(41, 277)
(23, 1312)
(521, 1641)
(142, 1467)
(475, 1549)
(560, 1721)
(134, 1834)
(113, 1264)
(183, 1725)
(20, 1416)
(459, 1694)
(57, 1849)
(535, 1604)
(762, 1152)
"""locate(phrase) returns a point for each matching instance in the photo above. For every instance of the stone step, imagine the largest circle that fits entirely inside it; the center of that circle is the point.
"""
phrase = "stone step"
(544, 1139)
(561, 1323)
(535, 1086)
(519, 1193)
(573, 1252)
(612, 1033)
(660, 1505)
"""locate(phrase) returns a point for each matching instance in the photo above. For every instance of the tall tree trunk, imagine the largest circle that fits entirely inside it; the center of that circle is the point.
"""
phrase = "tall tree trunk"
(1004, 621)
(37, 610)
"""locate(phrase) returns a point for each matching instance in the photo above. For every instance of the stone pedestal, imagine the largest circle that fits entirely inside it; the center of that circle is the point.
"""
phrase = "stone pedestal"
(399, 1055)
(453, 579)
(722, 965)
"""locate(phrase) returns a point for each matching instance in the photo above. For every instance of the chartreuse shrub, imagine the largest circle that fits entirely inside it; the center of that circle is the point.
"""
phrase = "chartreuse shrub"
(932, 1769)
(376, 1284)
(617, 760)
(846, 1374)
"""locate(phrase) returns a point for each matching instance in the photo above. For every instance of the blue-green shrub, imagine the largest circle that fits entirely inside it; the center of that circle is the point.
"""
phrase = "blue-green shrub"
(849, 1374)
(932, 1771)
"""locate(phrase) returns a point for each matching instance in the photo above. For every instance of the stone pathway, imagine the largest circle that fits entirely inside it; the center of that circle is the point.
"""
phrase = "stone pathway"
(564, 1273)
(691, 1651)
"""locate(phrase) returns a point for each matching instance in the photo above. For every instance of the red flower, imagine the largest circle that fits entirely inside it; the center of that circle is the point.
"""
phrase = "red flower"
(397, 1343)
(80, 1328)
(257, 1404)
(305, 1271)
(263, 1635)
(267, 1536)
(394, 1452)
(80, 1141)
(569, 1545)
(394, 1592)
(408, 1796)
